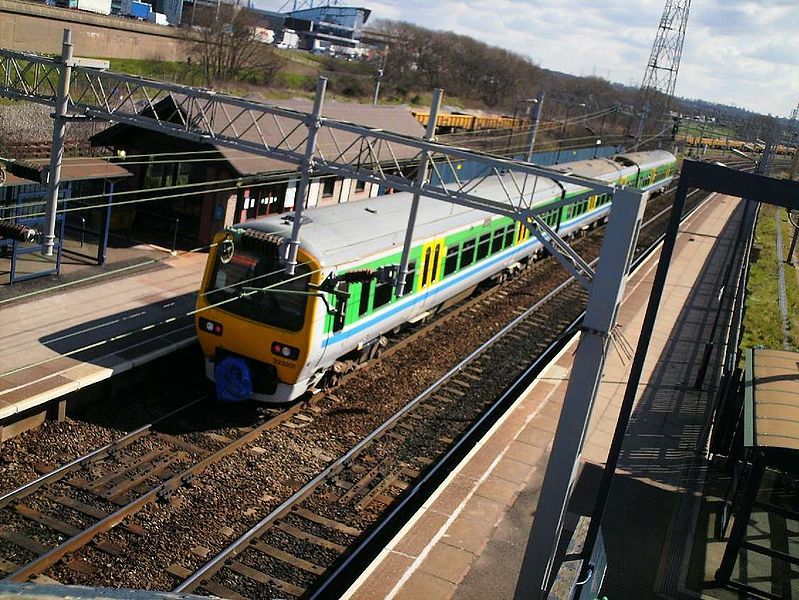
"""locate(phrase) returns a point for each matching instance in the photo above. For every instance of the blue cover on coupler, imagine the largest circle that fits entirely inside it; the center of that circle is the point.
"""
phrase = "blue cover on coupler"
(233, 379)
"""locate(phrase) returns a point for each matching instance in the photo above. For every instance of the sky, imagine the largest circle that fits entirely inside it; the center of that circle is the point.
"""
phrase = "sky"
(739, 52)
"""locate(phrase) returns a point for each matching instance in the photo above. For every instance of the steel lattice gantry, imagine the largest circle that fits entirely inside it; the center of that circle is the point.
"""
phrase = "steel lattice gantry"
(204, 115)
(77, 91)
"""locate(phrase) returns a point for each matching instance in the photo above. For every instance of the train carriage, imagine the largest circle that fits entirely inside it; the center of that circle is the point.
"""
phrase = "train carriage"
(273, 336)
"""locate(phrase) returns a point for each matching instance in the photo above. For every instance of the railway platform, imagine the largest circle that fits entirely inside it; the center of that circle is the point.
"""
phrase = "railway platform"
(468, 540)
(93, 323)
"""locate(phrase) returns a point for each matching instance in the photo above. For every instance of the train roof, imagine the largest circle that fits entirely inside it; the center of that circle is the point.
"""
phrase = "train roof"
(342, 233)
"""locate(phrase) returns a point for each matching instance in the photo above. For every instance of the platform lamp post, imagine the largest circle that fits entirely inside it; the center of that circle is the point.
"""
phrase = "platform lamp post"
(380, 72)
(510, 146)
(534, 119)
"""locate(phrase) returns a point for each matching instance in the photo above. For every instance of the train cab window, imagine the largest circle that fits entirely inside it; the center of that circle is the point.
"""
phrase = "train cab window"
(451, 262)
(482, 246)
(509, 231)
(496, 241)
(360, 185)
(251, 284)
(467, 253)
(363, 305)
(383, 292)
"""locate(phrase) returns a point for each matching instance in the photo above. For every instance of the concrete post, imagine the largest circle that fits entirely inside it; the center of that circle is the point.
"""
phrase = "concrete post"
(604, 298)
(421, 176)
(314, 124)
(57, 150)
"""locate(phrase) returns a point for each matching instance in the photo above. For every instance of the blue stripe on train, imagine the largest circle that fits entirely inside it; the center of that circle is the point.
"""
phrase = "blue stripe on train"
(440, 287)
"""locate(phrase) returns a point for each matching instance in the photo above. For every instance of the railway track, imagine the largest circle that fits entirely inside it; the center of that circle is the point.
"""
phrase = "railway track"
(66, 508)
(375, 472)
(73, 521)
(323, 522)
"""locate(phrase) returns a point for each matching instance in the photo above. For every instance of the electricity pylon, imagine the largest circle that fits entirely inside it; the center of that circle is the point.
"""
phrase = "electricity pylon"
(660, 78)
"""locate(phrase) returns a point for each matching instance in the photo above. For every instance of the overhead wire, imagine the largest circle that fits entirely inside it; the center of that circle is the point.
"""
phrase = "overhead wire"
(151, 326)
(205, 187)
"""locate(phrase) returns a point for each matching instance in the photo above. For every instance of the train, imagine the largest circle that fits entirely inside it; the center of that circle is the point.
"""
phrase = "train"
(273, 337)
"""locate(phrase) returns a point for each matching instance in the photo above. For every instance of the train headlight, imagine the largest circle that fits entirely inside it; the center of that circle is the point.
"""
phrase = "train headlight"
(226, 250)
(285, 351)
(211, 327)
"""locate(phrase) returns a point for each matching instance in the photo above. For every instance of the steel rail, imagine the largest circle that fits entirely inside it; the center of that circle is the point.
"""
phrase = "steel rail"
(84, 460)
(211, 567)
(331, 585)
(218, 561)
(48, 559)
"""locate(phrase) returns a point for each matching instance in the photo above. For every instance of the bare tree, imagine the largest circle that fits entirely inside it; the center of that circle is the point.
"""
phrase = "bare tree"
(465, 67)
(226, 44)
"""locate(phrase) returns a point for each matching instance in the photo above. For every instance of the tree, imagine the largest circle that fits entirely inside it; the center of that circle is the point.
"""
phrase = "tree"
(226, 44)
(465, 67)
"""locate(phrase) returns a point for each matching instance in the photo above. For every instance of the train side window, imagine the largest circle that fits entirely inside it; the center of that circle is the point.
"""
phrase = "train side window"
(467, 254)
(496, 242)
(509, 230)
(426, 267)
(482, 246)
(363, 305)
(436, 259)
(451, 262)
(341, 308)
(409, 277)
(383, 293)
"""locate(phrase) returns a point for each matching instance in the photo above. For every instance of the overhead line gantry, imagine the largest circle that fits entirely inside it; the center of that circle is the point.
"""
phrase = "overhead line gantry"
(77, 91)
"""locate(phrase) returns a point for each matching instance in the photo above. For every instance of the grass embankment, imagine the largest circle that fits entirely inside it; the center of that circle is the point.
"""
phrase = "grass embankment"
(353, 80)
(763, 323)
(348, 80)
(706, 130)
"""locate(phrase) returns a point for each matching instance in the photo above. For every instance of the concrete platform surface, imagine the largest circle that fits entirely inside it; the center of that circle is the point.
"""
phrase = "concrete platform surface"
(56, 340)
(468, 540)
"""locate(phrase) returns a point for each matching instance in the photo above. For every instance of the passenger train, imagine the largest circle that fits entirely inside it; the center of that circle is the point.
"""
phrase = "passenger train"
(272, 336)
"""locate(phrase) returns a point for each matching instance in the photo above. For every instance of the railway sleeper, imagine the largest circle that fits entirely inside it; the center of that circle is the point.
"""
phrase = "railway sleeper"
(329, 523)
(93, 512)
(288, 558)
(256, 575)
(8, 567)
(309, 537)
(221, 591)
(379, 490)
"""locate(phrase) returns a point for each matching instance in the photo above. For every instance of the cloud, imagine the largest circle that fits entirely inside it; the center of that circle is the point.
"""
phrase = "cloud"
(736, 51)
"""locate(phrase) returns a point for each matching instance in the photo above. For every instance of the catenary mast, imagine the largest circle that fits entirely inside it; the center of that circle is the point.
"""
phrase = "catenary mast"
(660, 78)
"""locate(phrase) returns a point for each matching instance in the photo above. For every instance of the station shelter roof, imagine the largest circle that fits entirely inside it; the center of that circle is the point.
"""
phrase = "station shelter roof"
(32, 172)
(389, 118)
(771, 401)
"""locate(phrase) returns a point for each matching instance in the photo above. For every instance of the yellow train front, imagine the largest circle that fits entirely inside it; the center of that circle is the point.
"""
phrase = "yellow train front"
(255, 323)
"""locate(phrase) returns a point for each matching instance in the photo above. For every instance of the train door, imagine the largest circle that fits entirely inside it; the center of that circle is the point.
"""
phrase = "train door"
(432, 256)
(522, 233)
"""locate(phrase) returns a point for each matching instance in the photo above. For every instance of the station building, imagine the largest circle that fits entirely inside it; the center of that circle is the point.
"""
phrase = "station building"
(195, 189)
